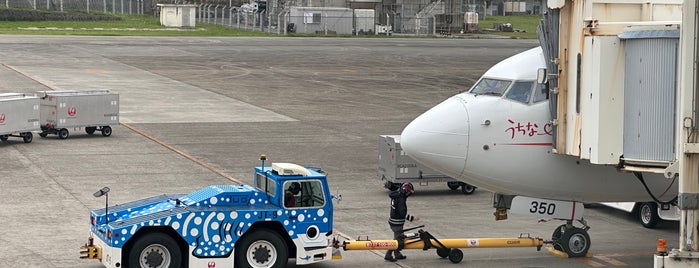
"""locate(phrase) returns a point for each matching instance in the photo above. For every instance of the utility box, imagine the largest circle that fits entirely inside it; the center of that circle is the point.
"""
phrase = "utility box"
(177, 15)
(396, 168)
(19, 116)
(93, 110)
(471, 22)
(364, 21)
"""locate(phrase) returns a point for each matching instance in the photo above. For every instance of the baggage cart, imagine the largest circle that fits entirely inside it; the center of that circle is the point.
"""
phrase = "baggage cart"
(93, 110)
(19, 116)
(396, 168)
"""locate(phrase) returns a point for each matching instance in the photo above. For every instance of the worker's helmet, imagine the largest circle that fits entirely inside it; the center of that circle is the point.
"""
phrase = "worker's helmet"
(407, 188)
(295, 187)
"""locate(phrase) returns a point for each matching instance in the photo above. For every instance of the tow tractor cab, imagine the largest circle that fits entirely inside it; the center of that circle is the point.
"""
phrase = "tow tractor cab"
(221, 226)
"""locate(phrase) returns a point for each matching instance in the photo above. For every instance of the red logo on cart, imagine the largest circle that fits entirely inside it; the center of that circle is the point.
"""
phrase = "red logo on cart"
(2, 118)
(72, 111)
(212, 264)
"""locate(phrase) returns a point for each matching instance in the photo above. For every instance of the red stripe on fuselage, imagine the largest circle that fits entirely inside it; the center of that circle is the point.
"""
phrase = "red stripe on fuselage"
(530, 144)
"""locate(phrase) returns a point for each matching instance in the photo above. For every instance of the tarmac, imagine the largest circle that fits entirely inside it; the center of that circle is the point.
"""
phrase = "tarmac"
(199, 111)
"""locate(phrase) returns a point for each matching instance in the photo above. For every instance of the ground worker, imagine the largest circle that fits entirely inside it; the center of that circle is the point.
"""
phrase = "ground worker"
(399, 214)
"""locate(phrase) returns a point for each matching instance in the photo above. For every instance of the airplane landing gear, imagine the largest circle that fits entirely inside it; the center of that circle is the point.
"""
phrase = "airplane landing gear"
(572, 240)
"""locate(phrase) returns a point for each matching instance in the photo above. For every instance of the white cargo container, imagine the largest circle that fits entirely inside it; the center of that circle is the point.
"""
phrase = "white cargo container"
(396, 168)
(92, 110)
(364, 21)
(19, 116)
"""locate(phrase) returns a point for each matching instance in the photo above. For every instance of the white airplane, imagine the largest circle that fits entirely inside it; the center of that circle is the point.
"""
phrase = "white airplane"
(498, 136)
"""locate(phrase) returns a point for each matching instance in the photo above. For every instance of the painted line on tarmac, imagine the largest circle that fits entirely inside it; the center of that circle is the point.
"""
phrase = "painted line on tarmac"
(180, 152)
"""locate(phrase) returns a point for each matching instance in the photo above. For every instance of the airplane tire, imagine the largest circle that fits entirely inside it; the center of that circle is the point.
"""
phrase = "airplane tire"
(648, 214)
(453, 185)
(90, 130)
(575, 242)
(443, 252)
(155, 250)
(261, 248)
(456, 255)
(467, 188)
(556, 237)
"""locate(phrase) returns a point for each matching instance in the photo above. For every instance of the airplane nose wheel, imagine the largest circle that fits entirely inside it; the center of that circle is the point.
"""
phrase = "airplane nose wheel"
(572, 240)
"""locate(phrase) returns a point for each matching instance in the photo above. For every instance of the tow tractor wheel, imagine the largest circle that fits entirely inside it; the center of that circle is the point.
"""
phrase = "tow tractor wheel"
(456, 255)
(648, 213)
(106, 131)
(467, 188)
(261, 248)
(556, 237)
(28, 137)
(63, 134)
(443, 252)
(575, 242)
(155, 250)
(3, 137)
(453, 185)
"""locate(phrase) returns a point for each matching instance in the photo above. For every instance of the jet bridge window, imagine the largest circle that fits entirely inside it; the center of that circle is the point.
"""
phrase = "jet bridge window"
(487, 86)
(303, 194)
(520, 91)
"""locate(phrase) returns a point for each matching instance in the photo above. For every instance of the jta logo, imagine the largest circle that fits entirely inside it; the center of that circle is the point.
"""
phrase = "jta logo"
(72, 111)
(2, 118)
(212, 264)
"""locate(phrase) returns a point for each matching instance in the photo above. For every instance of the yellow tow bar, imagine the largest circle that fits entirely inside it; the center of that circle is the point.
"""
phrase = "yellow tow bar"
(446, 248)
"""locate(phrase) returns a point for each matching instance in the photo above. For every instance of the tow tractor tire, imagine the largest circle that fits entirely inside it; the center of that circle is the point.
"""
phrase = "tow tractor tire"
(453, 185)
(648, 214)
(575, 242)
(467, 188)
(443, 252)
(90, 130)
(106, 131)
(556, 237)
(63, 134)
(27, 137)
(155, 250)
(261, 248)
(3, 137)
(456, 255)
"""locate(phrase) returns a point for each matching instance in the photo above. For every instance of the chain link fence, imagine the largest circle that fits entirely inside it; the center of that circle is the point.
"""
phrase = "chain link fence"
(329, 17)
(106, 6)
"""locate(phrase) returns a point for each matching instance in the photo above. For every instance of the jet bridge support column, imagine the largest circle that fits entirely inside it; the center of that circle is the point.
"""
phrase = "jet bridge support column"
(687, 147)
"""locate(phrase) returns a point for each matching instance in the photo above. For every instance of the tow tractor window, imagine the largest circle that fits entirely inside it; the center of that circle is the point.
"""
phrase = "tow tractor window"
(488, 86)
(520, 91)
(263, 183)
(303, 194)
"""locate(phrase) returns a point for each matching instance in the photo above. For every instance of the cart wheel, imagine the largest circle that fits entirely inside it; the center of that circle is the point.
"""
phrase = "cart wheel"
(443, 252)
(453, 185)
(456, 255)
(90, 130)
(63, 133)
(43, 134)
(467, 188)
(3, 137)
(28, 137)
(106, 131)
(648, 213)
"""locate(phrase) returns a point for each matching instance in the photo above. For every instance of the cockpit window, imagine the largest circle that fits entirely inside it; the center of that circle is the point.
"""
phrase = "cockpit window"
(520, 91)
(487, 86)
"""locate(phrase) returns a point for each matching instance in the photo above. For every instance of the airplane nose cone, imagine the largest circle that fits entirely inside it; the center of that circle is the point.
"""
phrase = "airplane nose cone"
(439, 137)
